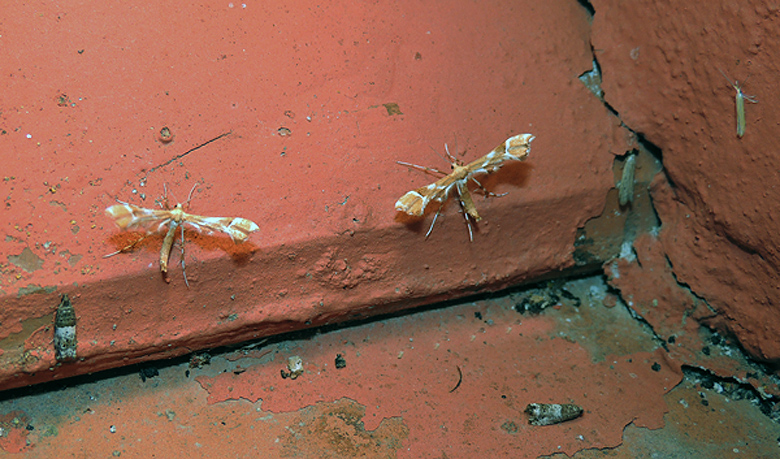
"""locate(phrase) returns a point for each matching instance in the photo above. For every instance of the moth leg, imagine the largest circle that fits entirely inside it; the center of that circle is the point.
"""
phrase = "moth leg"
(468, 209)
(183, 269)
(434, 221)
(468, 224)
(429, 170)
(486, 192)
(126, 248)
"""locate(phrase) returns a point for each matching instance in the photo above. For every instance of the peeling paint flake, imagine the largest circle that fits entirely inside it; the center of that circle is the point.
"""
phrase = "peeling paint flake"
(26, 260)
(32, 288)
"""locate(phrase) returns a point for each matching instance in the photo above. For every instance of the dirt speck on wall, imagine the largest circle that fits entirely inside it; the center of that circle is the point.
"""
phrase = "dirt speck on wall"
(662, 67)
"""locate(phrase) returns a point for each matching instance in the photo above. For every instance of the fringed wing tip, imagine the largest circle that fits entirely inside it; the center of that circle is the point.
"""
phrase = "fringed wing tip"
(121, 214)
(519, 145)
(115, 210)
(240, 229)
(411, 203)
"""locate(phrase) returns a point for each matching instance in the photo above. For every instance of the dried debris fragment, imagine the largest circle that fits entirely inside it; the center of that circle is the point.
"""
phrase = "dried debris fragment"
(295, 365)
(198, 360)
(148, 373)
(536, 303)
(166, 135)
(546, 295)
(460, 379)
(547, 414)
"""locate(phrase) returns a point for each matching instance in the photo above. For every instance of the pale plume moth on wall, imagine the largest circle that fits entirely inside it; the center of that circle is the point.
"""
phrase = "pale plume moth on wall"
(739, 101)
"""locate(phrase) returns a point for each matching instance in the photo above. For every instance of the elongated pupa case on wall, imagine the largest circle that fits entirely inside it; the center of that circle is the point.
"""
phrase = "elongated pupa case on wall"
(626, 185)
(547, 414)
(739, 101)
(65, 330)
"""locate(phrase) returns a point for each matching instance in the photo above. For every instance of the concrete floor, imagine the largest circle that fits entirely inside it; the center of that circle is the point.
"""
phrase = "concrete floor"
(450, 381)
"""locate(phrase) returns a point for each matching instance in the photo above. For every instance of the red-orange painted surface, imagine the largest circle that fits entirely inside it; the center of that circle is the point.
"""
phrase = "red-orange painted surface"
(318, 102)
(721, 209)
(309, 106)
(453, 381)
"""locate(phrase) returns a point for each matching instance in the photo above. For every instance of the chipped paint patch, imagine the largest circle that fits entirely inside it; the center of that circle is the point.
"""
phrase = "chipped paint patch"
(26, 260)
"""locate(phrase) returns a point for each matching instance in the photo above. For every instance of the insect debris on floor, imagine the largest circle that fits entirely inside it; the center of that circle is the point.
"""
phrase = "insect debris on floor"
(413, 203)
(129, 216)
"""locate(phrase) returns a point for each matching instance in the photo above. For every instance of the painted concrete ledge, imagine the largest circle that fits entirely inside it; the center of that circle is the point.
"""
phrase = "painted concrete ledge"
(317, 117)
(138, 317)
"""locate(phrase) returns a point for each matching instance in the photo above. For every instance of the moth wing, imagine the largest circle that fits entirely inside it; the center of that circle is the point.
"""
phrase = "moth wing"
(515, 148)
(415, 201)
(518, 146)
(129, 216)
(237, 228)
(412, 203)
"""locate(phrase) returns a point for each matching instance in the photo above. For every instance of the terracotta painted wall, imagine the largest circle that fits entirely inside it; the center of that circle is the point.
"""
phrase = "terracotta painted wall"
(81, 113)
(720, 209)
(88, 88)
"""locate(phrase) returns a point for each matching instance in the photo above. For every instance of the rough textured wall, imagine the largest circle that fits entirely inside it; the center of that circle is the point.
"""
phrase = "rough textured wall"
(320, 101)
(661, 63)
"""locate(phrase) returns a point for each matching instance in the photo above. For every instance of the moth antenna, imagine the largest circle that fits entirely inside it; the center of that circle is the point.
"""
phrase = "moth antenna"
(728, 79)
(191, 191)
(447, 156)
(484, 190)
(115, 198)
(167, 203)
(738, 87)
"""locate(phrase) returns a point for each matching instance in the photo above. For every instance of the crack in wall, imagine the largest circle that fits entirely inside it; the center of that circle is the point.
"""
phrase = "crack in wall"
(734, 389)
(768, 403)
